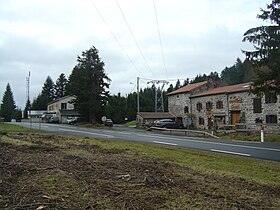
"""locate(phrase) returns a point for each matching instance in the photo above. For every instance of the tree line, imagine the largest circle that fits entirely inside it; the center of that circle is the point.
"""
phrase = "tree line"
(90, 83)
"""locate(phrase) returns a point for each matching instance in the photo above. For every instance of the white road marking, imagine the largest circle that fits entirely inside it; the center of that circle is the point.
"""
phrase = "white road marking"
(167, 143)
(208, 142)
(255, 142)
(98, 134)
(229, 152)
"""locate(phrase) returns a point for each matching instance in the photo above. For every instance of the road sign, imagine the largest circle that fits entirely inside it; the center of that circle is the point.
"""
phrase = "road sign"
(187, 121)
(104, 118)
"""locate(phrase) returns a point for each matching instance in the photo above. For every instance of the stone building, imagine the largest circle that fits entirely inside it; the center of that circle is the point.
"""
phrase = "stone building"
(224, 107)
(179, 101)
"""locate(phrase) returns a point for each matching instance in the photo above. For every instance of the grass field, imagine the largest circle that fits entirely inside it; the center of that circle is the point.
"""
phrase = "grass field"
(269, 137)
(6, 127)
(59, 172)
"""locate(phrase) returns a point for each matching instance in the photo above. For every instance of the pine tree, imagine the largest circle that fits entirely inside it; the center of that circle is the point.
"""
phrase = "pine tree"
(60, 86)
(178, 85)
(266, 56)
(8, 106)
(47, 95)
(89, 81)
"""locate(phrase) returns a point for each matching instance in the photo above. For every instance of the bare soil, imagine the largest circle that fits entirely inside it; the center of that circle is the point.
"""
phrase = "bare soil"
(54, 172)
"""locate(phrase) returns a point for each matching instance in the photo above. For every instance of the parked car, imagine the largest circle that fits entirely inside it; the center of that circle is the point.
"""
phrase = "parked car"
(167, 123)
(53, 120)
(72, 121)
(109, 122)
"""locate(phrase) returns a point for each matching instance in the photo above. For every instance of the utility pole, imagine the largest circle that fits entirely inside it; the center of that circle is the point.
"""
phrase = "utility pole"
(159, 105)
(138, 92)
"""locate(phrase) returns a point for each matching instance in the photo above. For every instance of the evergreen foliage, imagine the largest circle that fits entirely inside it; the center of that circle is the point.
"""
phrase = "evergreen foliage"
(117, 108)
(234, 74)
(199, 78)
(27, 107)
(8, 106)
(60, 85)
(88, 82)
(266, 56)
(46, 96)
(178, 85)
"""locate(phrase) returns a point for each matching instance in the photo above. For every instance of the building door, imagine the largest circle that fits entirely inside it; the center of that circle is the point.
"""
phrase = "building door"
(235, 115)
(210, 123)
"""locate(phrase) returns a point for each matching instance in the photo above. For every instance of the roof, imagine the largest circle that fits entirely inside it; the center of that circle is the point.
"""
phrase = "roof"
(188, 88)
(59, 99)
(155, 115)
(226, 89)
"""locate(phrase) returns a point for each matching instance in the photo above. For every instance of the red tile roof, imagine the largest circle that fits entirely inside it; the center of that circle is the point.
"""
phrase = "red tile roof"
(226, 89)
(187, 88)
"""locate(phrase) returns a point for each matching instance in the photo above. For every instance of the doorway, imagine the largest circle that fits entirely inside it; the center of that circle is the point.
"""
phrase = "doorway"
(235, 116)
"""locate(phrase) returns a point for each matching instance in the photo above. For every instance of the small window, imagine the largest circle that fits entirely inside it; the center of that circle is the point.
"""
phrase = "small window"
(219, 105)
(177, 96)
(201, 121)
(270, 97)
(271, 118)
(186, 109)
(257, 105)
(199, 107)
(209, 106)
(63, 106)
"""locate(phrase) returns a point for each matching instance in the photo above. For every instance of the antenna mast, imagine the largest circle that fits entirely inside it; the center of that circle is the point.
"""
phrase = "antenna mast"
(28, 87)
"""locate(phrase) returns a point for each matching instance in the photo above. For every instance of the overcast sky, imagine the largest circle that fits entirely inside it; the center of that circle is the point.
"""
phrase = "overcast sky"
(46, 36)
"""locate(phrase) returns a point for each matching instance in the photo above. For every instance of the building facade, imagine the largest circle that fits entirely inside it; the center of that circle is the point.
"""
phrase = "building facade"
(62, 108)
(179, 101)
(231, 106)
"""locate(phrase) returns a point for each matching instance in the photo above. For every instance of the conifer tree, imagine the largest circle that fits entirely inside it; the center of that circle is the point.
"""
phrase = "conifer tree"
(89, 83)
(60, 86)
(266, 56)
(8, 106)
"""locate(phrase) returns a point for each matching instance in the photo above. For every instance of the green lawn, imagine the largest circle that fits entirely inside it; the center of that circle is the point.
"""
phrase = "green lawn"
(6, 127)
(261, 171)
(268, 137)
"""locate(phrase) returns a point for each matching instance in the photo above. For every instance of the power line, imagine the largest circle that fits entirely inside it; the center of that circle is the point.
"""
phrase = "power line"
(114, 36)
(159, 36)
(146, 62)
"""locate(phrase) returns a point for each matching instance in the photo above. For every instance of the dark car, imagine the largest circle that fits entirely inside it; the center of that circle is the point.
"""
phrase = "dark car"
(109, 122)
(167, 123)
(53, 120)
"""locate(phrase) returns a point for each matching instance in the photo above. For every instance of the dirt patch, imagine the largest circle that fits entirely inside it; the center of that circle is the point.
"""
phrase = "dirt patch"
(57, 172)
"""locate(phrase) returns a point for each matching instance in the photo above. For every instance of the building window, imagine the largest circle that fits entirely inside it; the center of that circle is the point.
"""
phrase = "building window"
(63, 106)
(199, 107)
(271, 118)
(186, 109)
(201, 121)
(177, 96)
(257, 105)
(209, 106)
(219, 105)
(270, 97)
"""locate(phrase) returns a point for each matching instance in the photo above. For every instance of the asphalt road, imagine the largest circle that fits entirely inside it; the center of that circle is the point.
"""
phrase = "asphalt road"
(268, 151)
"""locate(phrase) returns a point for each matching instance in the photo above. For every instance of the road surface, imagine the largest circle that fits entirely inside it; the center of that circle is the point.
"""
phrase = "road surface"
(268, 151)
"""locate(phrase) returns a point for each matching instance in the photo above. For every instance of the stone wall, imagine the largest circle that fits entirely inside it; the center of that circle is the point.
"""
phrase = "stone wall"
(178, 102)
(241, 104)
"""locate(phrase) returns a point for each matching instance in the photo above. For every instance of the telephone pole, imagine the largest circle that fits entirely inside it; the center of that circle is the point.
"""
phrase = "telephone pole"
(138, 92)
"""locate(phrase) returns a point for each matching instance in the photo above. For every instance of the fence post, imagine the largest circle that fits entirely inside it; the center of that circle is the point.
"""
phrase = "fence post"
(262, 134)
